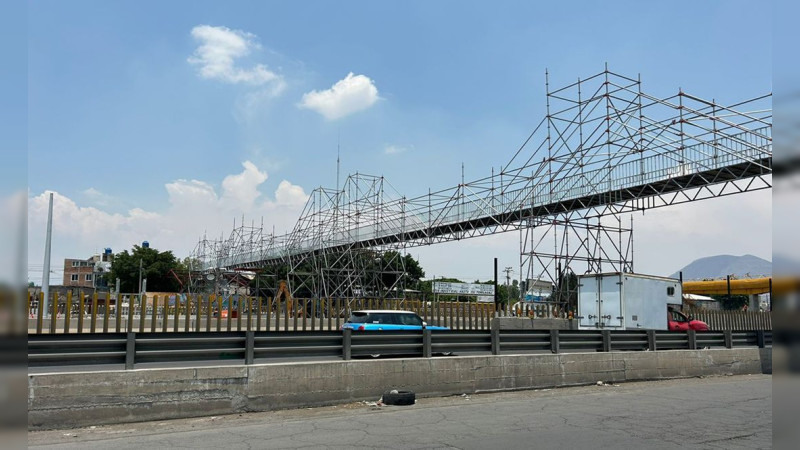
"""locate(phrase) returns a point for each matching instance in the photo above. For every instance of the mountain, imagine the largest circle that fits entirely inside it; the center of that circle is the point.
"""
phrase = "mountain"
(721, 266)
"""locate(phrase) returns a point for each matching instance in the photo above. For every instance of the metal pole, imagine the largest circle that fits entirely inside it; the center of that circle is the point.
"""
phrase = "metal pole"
(729, 285)
(46, 272)
(140, 275)
(117, 307)
(495, 284)
(507, 270)
(770, 294)
(143, 300)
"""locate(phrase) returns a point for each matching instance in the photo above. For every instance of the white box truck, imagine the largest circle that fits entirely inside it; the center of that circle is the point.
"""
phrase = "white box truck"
(625, 301)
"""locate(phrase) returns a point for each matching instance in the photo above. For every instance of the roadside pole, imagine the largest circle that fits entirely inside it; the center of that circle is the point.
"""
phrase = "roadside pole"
(46, 271)
(495, 286)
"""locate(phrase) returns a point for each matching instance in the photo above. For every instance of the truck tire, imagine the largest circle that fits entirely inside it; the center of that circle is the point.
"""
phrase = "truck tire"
(399, 398)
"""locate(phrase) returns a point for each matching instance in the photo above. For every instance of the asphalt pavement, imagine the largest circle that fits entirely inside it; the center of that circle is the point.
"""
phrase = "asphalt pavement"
(732, 412)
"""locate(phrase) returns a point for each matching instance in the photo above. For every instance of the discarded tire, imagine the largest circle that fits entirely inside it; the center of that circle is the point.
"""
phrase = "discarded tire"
(399, 398)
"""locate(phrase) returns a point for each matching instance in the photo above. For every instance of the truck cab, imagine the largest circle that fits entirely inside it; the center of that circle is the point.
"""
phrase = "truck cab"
(678, 321)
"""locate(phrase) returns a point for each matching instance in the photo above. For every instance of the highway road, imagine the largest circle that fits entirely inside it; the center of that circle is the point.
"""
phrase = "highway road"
(732, 412)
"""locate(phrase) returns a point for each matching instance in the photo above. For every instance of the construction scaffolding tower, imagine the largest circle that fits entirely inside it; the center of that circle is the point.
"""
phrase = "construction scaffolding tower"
(604, 149)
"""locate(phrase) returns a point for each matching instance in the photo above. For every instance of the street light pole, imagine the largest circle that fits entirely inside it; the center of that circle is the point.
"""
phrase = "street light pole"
(46, 269)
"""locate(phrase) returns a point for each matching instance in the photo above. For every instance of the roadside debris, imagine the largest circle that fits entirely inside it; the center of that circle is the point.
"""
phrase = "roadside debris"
(374, 405)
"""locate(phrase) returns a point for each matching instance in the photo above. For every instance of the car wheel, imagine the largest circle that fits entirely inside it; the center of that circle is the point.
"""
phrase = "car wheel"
(399, 398)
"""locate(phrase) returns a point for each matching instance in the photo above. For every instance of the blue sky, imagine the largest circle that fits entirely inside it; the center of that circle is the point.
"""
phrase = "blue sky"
(131, 122)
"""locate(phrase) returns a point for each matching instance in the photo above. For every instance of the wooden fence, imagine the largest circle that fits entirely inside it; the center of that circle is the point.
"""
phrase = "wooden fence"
(213, 313)
(733, 320)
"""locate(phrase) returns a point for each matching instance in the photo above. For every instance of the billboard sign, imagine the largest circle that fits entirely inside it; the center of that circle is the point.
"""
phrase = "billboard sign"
(441, 287)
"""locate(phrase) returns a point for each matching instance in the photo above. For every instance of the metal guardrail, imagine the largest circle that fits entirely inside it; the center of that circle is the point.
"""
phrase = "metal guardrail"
(129, 349)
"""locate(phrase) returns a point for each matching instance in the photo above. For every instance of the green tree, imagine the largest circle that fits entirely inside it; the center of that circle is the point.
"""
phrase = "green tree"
(508, 295)
(190, 264)
(157, 268)
(731, 302)
(393, 266)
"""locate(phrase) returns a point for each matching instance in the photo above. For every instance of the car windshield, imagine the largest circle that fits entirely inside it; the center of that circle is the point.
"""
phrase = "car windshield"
(677, 317)
(358, 317)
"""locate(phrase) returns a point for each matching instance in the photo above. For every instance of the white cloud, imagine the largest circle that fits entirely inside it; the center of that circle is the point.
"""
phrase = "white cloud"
(396, 149)
(185, 194)
(97, 197)
(289, 194)
(241, 190)
(195, 207)
(352, 94)
(219, 49)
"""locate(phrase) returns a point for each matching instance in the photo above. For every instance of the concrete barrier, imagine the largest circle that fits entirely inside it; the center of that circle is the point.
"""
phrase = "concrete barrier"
(63, 400)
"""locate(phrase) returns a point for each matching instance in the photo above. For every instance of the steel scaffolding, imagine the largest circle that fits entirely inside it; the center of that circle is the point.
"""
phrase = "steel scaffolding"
(605, 148)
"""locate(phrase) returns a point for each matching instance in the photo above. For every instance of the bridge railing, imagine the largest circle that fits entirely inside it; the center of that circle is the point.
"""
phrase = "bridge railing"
(539, 191)
(134, 348)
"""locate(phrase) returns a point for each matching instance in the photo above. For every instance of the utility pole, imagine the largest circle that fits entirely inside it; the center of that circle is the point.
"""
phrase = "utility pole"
(508, 270)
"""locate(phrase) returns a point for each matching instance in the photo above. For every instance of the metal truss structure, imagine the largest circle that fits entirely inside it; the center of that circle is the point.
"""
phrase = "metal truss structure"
(555, 249)
(339, 265)
(604, 149)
